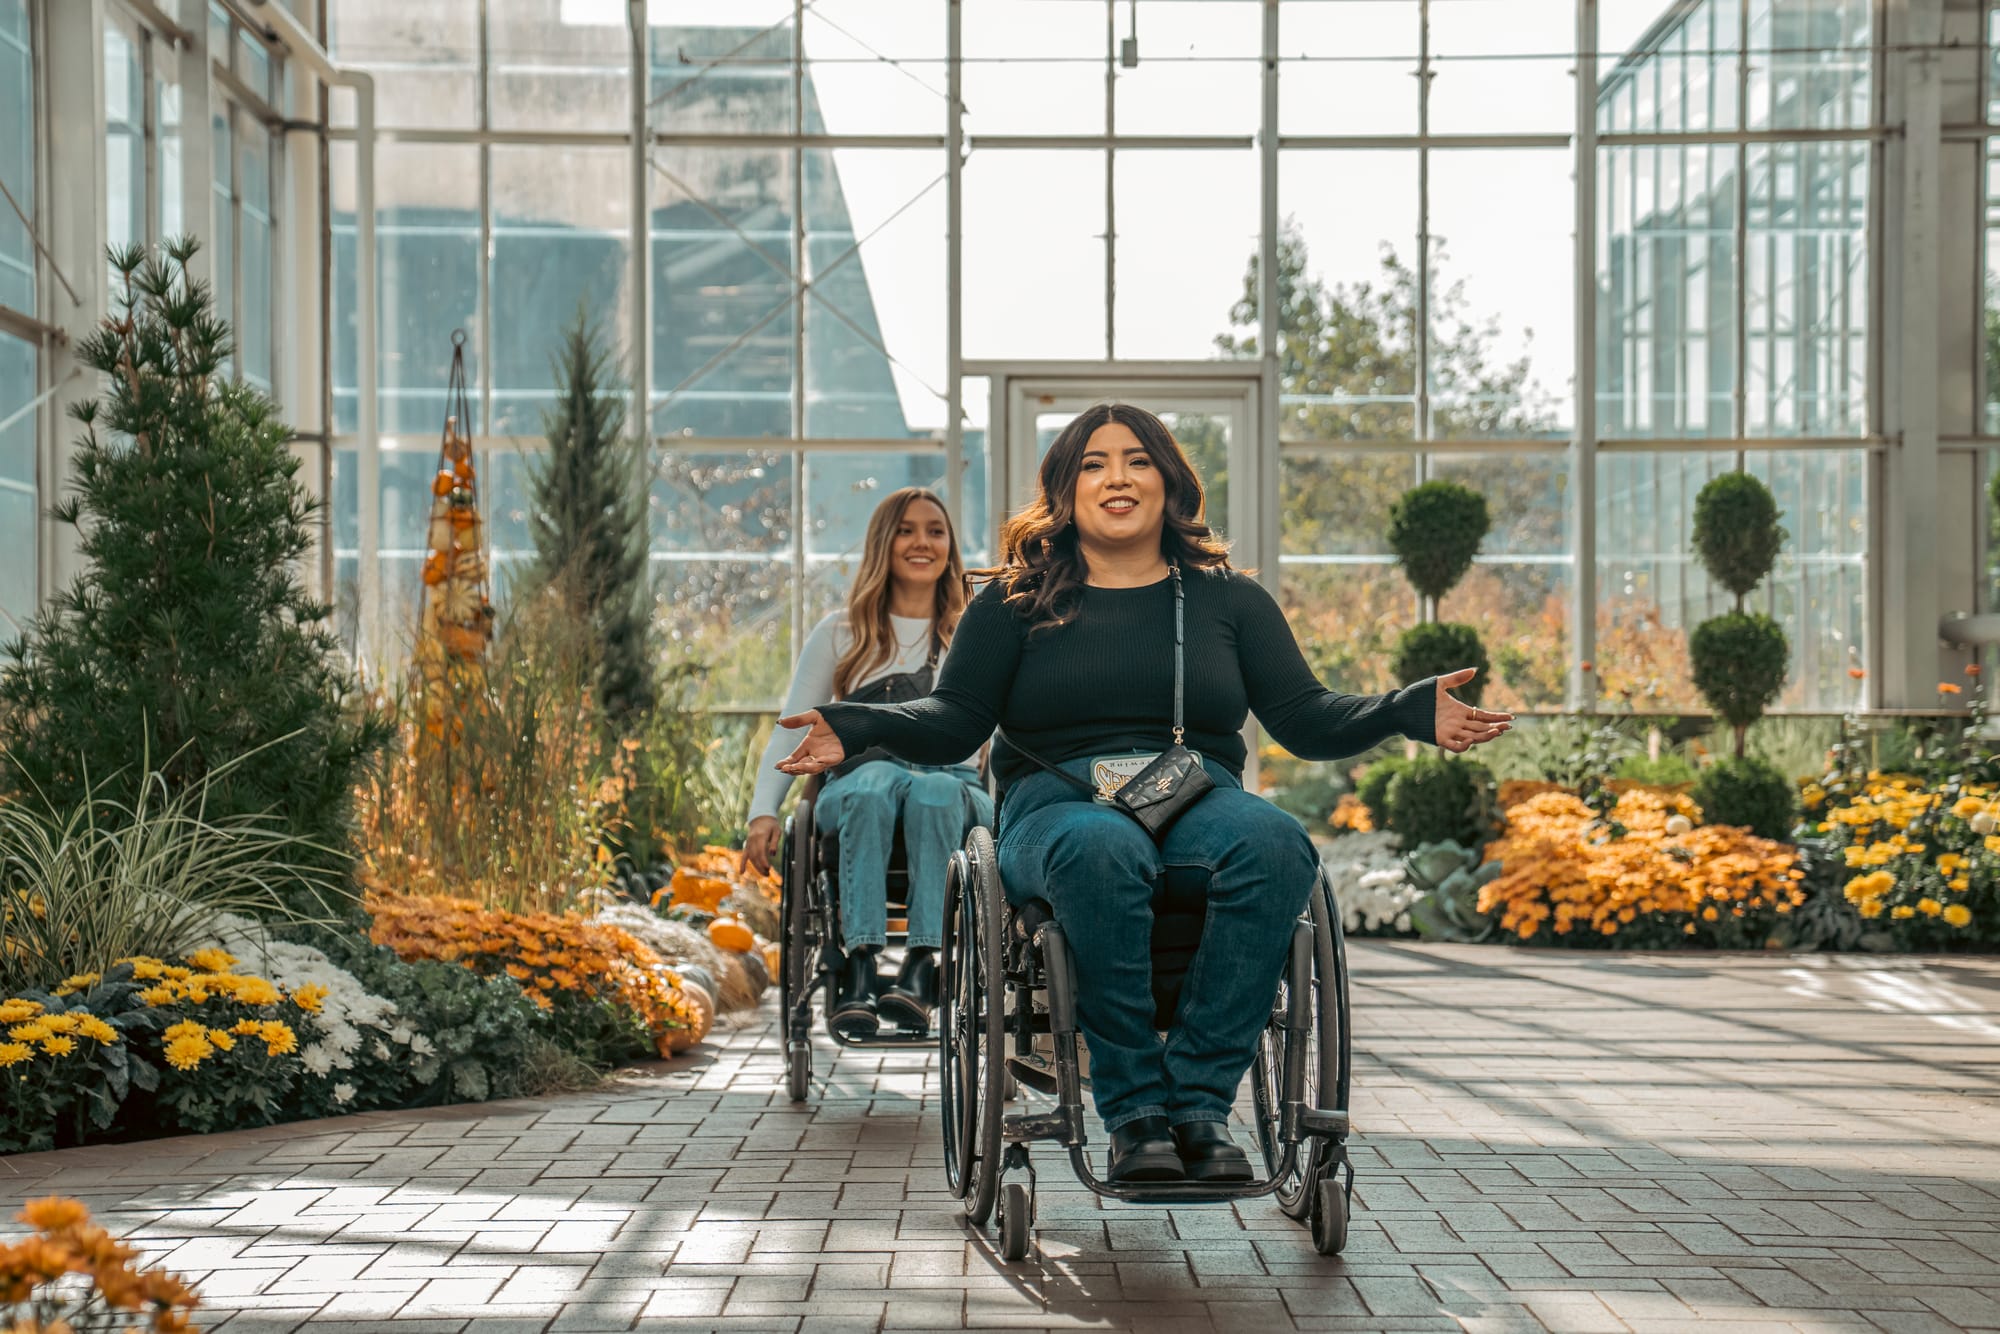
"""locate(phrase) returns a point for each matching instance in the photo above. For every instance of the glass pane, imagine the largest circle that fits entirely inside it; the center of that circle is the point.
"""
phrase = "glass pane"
(253, 64)
(222, 254)
(1337, 505)
(875, 67)
(168, 132)
(722, 292)
(842, 491)
(125, 137)
(17, 156)
(1809, 64)
(1806, 310)
(1181, 272)
(1200, 69)
(253, 335)
(1205, 437)
(1349, 68)
(1666, 282)
(1502, 309)
(424, 55)
(975, 514)
(1668, 69)
(875, 326)
(1033, 67)
(427, 238)
(1502, 66)
(1517, 592)
(559, 67)
(1652, 591)
(717, 69)
(721, 532)
(561, 228)
(19, 535)
(1034, 274)
(506, 482)
(408, 465)
(1347, 285)
(1347, 615)
(1990, 343)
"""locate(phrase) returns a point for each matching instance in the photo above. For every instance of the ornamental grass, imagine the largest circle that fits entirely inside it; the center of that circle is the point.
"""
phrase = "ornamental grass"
(557, 959)
(1644, 875)
(72, 1276)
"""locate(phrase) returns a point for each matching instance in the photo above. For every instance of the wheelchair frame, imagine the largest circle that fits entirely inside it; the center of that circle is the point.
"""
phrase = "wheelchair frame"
(997, 981)
(809, 920)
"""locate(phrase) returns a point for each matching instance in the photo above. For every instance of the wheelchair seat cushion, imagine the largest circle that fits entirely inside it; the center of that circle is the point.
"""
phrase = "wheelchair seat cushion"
(1179, 913)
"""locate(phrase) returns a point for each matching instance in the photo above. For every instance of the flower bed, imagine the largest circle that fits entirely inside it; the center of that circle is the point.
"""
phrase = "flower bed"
(1370, 883)
(1927, 862)
(1646, 875)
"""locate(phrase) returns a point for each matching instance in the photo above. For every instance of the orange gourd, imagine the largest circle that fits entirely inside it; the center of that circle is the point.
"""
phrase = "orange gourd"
(731, 934)
(443, 483)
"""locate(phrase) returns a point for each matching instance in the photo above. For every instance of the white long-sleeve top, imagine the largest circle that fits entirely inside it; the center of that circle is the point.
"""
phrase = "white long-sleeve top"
(812, 686)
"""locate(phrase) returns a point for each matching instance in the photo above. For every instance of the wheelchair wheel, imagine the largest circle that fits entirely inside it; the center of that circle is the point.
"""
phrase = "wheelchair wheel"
(1328, 1057)
(799, 955)
(971, 1027)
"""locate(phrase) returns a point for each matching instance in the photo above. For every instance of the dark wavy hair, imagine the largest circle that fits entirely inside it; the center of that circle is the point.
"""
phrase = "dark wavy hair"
(1041, 566)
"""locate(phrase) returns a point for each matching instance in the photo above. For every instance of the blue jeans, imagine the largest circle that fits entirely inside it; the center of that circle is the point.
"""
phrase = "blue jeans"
(1101, 873)
(937, 805)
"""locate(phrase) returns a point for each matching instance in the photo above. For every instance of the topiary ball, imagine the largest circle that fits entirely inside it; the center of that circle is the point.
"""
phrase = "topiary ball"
(1434, 798)
(1435, 530)
(1748, 794)
(1739, 661)
(1437, 647)
(1736, 530)
(1372, 788)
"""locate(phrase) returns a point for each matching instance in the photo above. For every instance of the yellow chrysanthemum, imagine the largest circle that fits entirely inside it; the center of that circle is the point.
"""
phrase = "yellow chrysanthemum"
(160, 995)
(247, 1028)
(176, 973)
(221, 1039)
(33, 1032)
(96, 1029)
(256, 991)
(310, 997)
(188, 1052)
(1959, 883)
(279, 1039)
(59, 1046)
(1871, 908)
(146, 970)
(186, 1028)
(1929, 907)
(60, 1023)
(1901, 911)
(1967, 807)
(13, 1053)
(212, 960)
(18, 1011)
(53, 1213)
(1958, 915)
(79, 982)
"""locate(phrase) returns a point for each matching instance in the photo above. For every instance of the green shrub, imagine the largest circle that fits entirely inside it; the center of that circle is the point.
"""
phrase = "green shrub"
(1736, 530)
(1668, 771)
(1739, 661)
(481, 1029)
(1435, 530)
(1373, 788)
(1437, 647)
(188, 636)
(1435, 798)
(1749, 794)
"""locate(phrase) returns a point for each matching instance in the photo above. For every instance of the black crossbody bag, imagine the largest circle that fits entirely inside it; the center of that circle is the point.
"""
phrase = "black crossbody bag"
(1164, 790)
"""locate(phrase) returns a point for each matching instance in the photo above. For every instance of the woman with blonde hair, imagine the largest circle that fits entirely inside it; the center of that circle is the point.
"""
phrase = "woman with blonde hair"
(884, 646)
(1074, 648)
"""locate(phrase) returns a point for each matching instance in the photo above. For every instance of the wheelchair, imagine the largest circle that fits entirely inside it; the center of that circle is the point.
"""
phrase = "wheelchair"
(1007, 1012)
(810, 946)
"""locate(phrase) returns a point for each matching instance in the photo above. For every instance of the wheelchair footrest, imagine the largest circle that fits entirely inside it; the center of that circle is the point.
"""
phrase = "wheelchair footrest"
(1064, 1125)
(1323, 1122)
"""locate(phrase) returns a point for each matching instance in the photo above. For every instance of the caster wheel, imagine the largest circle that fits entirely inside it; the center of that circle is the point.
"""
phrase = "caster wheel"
(1017, 1221)
(1329, 1217)
(798, 1071)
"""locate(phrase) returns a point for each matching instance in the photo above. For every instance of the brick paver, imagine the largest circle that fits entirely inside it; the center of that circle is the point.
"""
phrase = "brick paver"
(1546, 1141)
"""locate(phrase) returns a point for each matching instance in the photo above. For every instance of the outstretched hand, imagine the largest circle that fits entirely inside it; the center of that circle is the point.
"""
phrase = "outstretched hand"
(1460, 727)
(821, 750)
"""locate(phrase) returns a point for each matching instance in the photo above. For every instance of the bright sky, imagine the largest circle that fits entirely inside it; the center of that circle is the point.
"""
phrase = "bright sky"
(1187, 221)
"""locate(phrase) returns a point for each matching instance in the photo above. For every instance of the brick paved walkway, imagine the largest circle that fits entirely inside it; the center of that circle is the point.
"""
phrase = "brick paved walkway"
(1547, 1141)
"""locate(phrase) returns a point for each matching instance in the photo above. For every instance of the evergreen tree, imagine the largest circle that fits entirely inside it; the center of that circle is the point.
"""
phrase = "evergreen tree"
(189, 637)
(589, 521)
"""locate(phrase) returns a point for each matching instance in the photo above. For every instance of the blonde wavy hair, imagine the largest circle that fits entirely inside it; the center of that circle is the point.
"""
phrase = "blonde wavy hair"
(868, 601)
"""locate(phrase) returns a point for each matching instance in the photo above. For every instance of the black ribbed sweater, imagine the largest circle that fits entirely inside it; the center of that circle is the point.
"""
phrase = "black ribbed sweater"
(1104, 683)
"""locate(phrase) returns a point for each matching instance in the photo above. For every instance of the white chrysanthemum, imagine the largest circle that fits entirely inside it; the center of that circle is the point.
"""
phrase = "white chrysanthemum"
(402, 1033)
(343, 1093)
(317, 1059)
(381, 1050)
(1369, 882)
(422, 1046)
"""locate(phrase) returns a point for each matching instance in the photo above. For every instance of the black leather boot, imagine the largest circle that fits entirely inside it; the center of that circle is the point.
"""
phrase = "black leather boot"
(1142, 1150)
(908, 1004)
(854, 1013)
(1209, 1153)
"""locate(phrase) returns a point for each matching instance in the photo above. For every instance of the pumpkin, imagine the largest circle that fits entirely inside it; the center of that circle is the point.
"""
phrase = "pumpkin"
(774, 956)
(464, 641)
(731, 934)
(703, 1018)
(434, 568)
(443, 483)
(693, 889)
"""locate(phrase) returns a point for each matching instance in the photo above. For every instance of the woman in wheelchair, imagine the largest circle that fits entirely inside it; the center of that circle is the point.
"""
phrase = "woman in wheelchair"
(883, 646)
(1070, 649)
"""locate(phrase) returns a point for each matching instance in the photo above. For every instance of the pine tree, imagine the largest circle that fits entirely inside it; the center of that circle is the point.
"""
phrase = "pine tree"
(589, 521)
(189, 637)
